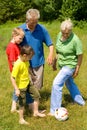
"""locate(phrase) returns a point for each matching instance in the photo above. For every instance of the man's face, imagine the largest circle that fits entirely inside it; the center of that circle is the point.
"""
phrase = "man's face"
(32, 23)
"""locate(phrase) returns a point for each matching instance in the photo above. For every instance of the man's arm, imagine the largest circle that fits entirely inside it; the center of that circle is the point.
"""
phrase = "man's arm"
(50, 55)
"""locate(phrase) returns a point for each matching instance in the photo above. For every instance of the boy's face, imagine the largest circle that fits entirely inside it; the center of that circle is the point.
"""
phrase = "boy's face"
(18, 39)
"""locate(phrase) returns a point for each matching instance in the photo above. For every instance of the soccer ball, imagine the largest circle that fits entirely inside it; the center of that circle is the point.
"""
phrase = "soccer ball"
(61, 114)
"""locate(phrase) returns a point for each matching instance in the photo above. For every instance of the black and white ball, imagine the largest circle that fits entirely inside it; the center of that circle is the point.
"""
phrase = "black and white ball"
(61, 114)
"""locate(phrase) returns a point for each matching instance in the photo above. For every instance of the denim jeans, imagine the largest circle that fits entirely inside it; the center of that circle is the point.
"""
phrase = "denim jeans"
(64, 76)
(15, 98)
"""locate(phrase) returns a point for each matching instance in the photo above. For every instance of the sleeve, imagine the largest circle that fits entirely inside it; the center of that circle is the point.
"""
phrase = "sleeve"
(15, 70)
(78, 46)
(47, 39)
(58, 38)
(12, 54)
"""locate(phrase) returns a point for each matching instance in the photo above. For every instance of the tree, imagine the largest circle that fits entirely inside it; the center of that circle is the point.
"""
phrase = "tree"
(12, 10)
(49, 9)
(74, 9)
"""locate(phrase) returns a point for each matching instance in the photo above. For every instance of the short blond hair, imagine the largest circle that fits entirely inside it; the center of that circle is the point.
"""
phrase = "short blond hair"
(32, 13)
(67, 24)
(17, 31)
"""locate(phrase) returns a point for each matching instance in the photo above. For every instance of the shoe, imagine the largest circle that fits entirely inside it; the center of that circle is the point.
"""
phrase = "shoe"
(39, 115)
(23, 122)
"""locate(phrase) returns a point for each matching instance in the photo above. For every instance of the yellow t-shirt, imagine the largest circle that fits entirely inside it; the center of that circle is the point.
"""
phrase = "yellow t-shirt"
(21, 74)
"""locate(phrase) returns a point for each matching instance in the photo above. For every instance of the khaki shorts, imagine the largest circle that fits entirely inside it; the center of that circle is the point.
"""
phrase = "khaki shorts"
(22, 97)
(32, 90)
(38, 74)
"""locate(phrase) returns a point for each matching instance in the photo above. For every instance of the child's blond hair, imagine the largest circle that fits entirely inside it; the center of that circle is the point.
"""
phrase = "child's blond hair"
(17, 31)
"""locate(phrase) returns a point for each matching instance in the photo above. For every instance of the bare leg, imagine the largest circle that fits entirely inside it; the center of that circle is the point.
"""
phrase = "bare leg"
(21, 117)
(35, 110)
(31, 108)
(13, 107)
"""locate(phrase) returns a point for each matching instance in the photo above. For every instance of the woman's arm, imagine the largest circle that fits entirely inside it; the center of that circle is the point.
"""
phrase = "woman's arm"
(78, 65)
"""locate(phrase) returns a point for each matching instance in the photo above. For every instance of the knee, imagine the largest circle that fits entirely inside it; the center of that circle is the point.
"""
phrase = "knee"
(58, 83)
(57, 87)
(36, 96)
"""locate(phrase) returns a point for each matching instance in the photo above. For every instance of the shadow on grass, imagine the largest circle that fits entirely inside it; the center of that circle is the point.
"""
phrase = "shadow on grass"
(45, 96)
(68, 99)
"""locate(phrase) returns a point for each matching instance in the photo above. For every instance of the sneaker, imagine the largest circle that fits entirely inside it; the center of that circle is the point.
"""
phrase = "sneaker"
(23, 122)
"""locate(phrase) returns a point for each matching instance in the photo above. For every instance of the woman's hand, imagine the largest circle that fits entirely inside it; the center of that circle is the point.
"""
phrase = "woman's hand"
(76, 72)
(54, 64)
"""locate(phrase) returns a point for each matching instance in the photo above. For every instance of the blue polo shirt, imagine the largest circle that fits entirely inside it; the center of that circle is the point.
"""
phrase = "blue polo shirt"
(36, 39)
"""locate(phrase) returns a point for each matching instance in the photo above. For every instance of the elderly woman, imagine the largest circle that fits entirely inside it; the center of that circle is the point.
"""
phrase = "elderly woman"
(69, 50)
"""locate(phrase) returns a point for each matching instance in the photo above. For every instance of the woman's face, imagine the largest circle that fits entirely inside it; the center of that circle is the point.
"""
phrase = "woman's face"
(66, 33)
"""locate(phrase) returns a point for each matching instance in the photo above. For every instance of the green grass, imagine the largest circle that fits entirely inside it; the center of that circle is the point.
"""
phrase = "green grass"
(77, 114)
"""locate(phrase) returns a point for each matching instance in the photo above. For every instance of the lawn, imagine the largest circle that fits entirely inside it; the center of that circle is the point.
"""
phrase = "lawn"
(77, 114)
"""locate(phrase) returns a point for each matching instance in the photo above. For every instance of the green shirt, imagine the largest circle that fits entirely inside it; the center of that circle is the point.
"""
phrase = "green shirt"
(20, 73)
(68, 50)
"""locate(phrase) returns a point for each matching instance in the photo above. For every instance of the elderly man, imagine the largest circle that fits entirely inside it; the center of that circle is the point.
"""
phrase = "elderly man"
(35, 36)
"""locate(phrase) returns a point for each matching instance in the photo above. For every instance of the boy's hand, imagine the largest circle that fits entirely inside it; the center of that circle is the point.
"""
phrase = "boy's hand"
(33, 76)
(17, 91)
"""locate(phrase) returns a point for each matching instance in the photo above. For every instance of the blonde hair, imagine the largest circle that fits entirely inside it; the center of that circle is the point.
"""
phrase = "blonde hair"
(32, 13)
(67, 24)
(17, 31)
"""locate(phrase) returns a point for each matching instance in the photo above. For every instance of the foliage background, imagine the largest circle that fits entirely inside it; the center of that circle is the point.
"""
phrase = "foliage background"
(50, 9)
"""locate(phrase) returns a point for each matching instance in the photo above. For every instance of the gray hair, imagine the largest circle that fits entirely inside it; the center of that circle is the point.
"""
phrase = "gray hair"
(32, 13)
(67, 24)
